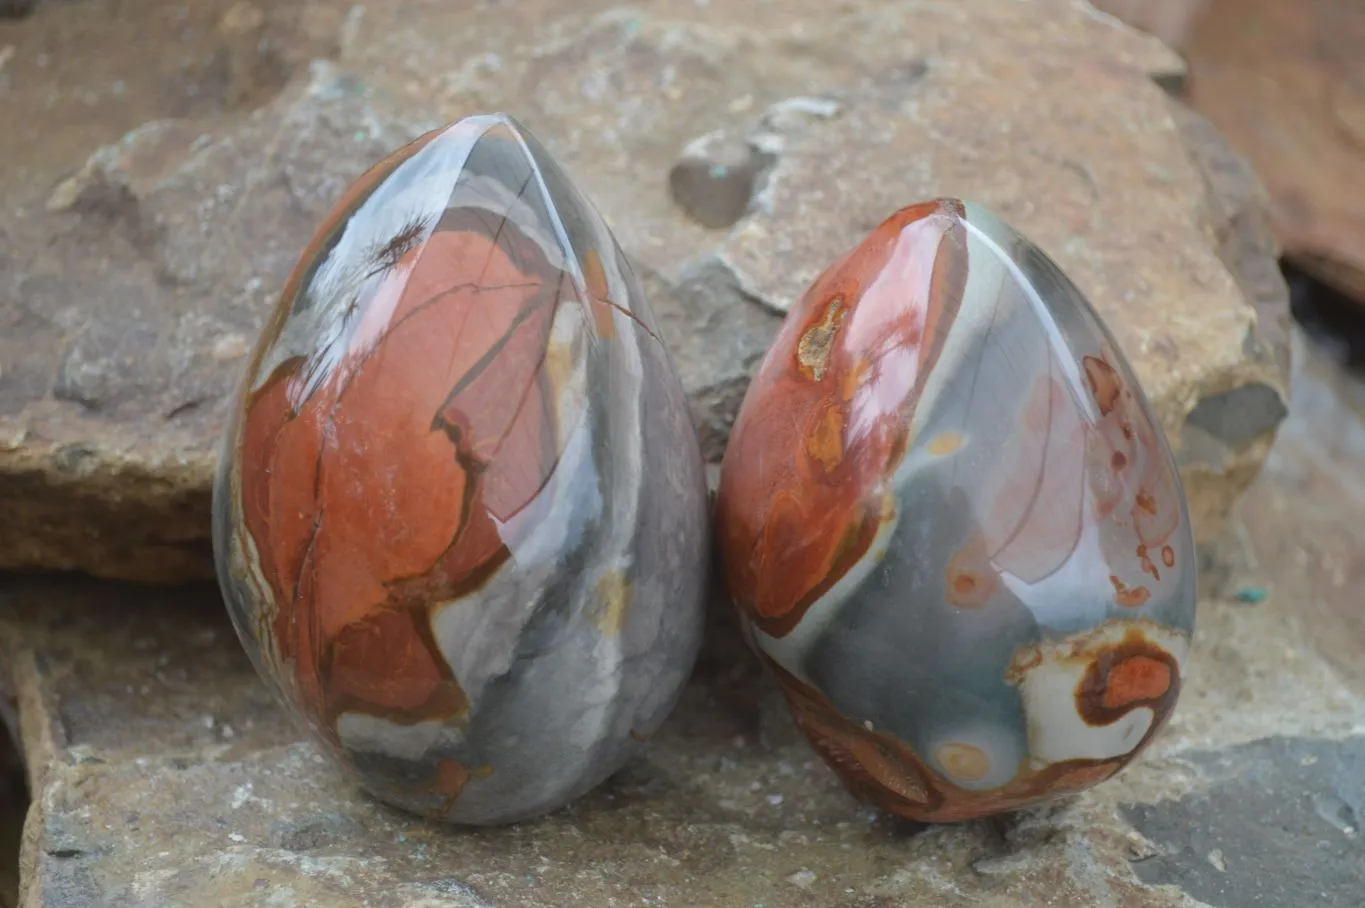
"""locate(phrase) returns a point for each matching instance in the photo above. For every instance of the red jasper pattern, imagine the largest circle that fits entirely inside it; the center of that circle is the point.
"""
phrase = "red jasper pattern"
(460, 518)
(952, 526)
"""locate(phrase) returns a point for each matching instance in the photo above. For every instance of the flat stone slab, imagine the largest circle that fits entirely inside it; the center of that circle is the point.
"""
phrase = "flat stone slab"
(1280, 823)
(134, 278)
(165, 776)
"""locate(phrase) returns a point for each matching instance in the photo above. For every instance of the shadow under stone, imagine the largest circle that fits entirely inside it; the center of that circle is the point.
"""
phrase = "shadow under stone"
(13, 807)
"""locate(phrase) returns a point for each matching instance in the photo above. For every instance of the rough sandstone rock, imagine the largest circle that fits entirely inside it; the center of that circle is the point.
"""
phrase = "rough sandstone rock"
(1226, 435)
(131, 287)
(117, 365)
(164, 776)
(1286, 84)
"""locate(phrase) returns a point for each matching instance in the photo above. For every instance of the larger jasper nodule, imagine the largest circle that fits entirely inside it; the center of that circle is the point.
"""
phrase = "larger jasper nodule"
(953, 528)
(460, 519)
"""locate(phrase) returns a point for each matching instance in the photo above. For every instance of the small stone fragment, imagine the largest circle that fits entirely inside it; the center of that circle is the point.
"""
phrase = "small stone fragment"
(716, 177)
(241, 19)
(790, 116)
(230, 347)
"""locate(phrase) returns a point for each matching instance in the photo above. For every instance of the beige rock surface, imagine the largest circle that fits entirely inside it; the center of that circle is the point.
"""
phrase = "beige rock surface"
(133, 280)
(164, 776)
(1285, 82)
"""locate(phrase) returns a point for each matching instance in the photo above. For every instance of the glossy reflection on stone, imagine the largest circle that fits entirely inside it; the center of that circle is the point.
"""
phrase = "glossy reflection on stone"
(952, 526)
(460, 519)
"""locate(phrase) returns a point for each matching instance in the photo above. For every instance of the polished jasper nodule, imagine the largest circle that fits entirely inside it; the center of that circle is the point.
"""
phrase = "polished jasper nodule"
(952, 526)
(460, 519)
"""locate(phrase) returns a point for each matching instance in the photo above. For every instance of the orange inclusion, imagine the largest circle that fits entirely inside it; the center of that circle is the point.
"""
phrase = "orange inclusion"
(963, 761)
(599, 294)
(971, 580)
(825, 441)
(787, 532)
(1135, 680)
(1105, 384)
(945, 443)
(1133, 597)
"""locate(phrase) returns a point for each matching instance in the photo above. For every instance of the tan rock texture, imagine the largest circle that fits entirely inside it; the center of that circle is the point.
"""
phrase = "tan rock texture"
(164, 777)
(133, 277)
(1285, 83)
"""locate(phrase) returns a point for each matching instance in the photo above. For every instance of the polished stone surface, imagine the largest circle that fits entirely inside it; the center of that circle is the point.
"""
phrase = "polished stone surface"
(460, 517)
(954, 526)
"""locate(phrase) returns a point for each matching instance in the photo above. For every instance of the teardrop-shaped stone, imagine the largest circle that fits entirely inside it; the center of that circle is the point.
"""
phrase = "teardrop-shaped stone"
(953, 528)
(460, 519)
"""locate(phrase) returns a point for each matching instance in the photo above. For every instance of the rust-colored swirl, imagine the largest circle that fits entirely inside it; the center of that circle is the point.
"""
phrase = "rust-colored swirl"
(827, 417)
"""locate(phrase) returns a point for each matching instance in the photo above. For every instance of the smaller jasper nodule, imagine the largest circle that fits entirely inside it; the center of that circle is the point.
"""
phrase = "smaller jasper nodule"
(953, 528)
(460, 518)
